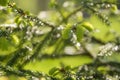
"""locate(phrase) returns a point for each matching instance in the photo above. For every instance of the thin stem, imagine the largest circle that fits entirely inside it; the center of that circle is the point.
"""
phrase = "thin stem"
(72, 13)
(87, 52)
(56, 56)
(94, 39)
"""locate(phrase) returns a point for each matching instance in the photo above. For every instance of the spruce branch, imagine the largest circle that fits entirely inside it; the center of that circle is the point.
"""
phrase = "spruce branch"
(39, 47)
(22, 72)
(28, 17)
(25, 56)
(16, 55)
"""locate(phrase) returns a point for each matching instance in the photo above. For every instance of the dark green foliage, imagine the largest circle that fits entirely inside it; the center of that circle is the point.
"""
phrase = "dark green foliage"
(4, 2)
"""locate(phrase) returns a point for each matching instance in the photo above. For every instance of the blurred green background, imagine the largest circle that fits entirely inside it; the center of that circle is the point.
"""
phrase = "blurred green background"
(33, 6)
